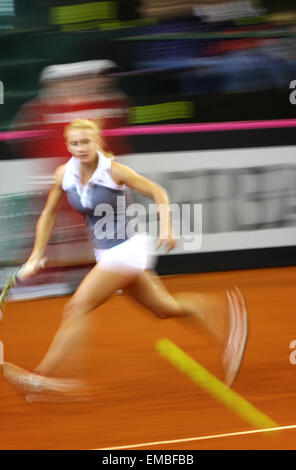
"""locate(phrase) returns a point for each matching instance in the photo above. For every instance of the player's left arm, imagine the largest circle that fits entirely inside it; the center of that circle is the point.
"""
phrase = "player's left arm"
(121, 174)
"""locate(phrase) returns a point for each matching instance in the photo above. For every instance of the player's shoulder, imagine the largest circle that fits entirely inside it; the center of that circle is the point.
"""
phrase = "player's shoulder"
(121, 173)
(117, 167)
(59, 174)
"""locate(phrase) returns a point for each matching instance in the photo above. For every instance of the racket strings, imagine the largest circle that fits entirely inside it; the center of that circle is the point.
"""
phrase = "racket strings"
(8, 275)
(8, 279)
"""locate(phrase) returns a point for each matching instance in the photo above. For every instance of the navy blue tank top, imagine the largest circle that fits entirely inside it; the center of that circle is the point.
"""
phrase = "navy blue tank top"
(101, 201)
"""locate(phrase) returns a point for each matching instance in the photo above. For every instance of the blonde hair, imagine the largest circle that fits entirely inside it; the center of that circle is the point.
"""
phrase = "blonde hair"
(87, 124)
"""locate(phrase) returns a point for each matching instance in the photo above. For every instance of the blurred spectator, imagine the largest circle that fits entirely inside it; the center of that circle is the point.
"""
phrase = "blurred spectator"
(209, 64)
(212, 11)
(70, 91)
(208, 10)
(166, 8)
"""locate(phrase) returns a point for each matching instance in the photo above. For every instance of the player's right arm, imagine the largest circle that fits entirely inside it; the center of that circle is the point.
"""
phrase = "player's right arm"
(45, 224)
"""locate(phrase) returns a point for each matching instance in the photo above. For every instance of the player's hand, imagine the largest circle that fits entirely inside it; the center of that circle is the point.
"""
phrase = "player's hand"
(167, 241)
(31, 267)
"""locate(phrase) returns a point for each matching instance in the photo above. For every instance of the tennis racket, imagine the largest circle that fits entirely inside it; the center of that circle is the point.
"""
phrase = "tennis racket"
(10, 276)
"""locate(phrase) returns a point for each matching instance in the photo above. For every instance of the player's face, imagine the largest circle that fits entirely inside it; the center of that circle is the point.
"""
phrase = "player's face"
(82, 144)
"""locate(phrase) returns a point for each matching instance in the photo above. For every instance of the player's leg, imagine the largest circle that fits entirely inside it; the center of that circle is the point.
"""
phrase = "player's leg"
(209, 310)
(94, 290)
(226, 318)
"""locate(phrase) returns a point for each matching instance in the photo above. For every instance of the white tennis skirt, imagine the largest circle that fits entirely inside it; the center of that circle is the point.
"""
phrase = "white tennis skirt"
(131, 256)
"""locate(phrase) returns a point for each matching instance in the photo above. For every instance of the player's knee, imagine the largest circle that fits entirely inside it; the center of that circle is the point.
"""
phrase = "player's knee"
(74, 309)
(163, 315)
(170, 310)
(170, 314)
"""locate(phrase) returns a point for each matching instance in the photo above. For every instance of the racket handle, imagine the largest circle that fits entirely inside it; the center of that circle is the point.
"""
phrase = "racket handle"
(40, 266)
(43, 262)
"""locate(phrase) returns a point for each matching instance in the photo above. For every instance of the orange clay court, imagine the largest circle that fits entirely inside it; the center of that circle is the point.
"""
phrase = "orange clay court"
(140, 400)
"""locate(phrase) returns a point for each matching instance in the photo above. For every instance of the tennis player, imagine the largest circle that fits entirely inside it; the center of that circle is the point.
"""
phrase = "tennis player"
(97, 186)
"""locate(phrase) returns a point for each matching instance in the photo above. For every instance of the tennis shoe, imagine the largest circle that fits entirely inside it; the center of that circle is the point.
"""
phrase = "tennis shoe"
(237, 335)
(33, 385)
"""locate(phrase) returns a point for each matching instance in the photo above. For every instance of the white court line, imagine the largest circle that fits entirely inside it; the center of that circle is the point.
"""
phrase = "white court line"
(202, 438)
